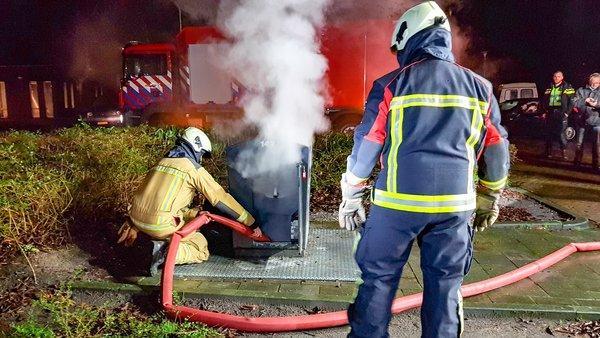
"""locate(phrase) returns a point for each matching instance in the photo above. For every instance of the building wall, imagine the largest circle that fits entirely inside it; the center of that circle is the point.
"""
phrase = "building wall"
(36, 96)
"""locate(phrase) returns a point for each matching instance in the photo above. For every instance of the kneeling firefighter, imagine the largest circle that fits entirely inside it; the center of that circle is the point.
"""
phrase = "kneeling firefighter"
(162, 204)
(428, 131)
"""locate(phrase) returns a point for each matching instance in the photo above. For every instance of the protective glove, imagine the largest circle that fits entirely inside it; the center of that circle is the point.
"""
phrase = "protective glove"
(352, 211)
(487, 208)
(127, 234)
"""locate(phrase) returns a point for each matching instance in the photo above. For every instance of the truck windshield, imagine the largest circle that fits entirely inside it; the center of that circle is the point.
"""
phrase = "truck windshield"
(141, 65)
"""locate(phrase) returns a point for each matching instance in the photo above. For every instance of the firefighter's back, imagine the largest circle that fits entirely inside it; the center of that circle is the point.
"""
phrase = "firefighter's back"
(434, 127)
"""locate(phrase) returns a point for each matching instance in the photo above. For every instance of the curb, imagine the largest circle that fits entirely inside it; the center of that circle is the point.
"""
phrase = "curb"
(564, 312)
(577, 223)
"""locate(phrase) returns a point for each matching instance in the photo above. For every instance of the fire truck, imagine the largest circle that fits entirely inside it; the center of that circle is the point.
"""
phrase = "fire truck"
(177, 83)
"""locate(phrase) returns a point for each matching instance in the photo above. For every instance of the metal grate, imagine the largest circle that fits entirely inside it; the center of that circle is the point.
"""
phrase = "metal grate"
(329, 257)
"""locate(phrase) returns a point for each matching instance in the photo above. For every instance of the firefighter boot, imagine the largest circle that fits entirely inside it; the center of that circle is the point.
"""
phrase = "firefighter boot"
(159, 252)
(578, 155)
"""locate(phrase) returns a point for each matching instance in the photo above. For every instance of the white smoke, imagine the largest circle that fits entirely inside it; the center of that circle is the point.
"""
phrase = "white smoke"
(204, 10)
(275, 55)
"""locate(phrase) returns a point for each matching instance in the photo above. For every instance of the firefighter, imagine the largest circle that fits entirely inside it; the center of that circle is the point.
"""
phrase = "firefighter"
(441, 119)
(584, 105)
(557, 104)
(162, 204)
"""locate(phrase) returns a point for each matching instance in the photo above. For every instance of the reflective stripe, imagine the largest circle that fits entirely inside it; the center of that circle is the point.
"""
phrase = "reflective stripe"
(397, 106)
(153, 227)
(171, 171)
(424, 203)
(496, 185)
(396, 133)
(170, 196)
(461, 315)
(476, 126)
(440, 101)
(179, 177)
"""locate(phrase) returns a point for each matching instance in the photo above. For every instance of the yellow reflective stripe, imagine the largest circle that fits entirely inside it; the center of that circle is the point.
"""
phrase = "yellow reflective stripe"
(153, 227)
(170, 171)
(496, 185)
(424, 203)
(425, 198)
(398, 105)
(422, 209)
(396, 133)
(440, 101)
(179, 176)
(476, 126)
(169, 197)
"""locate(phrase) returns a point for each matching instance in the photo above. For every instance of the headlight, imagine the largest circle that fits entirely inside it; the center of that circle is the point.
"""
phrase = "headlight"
(120, 118)
(89, 114)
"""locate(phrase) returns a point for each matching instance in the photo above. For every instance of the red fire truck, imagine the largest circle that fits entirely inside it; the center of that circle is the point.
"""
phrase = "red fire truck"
(174, 83)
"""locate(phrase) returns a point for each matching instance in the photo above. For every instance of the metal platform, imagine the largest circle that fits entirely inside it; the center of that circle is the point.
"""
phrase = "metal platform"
(328, 257)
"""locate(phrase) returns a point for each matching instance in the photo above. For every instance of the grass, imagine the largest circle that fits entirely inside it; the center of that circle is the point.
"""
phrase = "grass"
(81, 179)
(56, 314)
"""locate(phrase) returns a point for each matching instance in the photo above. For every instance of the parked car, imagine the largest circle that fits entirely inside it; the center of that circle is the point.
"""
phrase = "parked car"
(521, 111)
(105, 113)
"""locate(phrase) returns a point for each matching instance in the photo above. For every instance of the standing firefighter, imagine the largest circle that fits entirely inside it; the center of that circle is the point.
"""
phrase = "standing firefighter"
(557, 102)
(162, 204)
(440, 120)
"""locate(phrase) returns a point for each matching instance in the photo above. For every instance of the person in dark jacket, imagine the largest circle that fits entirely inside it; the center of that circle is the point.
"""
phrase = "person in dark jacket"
(584, 98)
(428, 133)
(557, 104)
(587, 104)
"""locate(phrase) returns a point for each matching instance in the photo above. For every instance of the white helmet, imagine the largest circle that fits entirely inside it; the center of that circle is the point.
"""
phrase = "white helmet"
(198, 139)
(416, 19)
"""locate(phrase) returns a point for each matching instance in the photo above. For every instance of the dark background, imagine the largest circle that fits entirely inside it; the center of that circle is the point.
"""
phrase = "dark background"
(531, 38)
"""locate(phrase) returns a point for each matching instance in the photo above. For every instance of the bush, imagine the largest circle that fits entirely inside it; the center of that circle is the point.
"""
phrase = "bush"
(83, 177)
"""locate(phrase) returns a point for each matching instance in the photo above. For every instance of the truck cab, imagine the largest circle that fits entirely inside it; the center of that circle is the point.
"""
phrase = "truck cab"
(147, 76)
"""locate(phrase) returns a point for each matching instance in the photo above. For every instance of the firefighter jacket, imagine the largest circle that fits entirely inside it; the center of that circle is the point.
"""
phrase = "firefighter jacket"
(559, 97)
(588, 114)
(169, 188)
(428, 124)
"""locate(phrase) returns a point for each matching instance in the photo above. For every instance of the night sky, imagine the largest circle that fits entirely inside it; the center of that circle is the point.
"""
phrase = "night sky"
(533, 38)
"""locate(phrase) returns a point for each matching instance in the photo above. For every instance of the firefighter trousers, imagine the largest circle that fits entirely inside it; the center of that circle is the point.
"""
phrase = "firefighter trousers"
(192, 248)
(445, 242)
(556, 125)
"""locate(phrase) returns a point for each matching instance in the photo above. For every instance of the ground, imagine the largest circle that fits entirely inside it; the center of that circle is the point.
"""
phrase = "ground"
(578, 191)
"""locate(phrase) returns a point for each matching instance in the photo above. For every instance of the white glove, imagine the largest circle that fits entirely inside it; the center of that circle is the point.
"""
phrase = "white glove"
(352, 211)
(487, 208)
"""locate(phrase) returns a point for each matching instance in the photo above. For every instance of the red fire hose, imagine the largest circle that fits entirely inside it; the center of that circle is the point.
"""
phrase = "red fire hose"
(324, 320)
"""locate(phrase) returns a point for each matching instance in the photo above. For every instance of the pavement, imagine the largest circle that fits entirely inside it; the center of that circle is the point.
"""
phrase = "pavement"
(567, 290)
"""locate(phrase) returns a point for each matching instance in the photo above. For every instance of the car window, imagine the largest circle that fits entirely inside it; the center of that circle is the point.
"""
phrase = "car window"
(526, 93)
(514, 94)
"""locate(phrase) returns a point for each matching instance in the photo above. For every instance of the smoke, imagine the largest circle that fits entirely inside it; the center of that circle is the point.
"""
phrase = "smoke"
(275, 55)
(96, 50)
(201, 10)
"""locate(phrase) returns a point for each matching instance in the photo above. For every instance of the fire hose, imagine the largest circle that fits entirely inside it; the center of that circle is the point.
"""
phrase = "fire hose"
(324, 320)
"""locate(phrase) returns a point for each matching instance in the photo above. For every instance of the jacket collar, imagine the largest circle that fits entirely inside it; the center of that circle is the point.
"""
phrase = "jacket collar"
(434, 42)
(183, 149)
